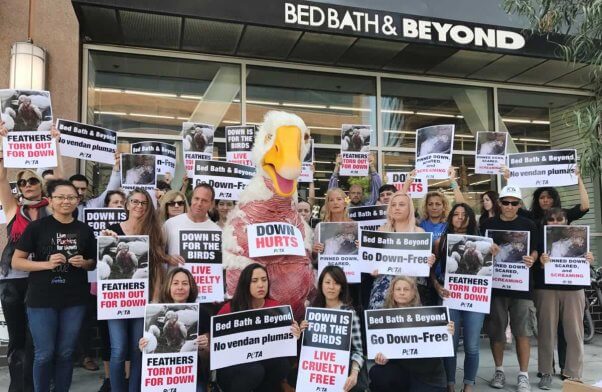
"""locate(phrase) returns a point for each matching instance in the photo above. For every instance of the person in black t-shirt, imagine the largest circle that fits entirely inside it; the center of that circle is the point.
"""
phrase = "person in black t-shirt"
(62, 249)
(517, 304)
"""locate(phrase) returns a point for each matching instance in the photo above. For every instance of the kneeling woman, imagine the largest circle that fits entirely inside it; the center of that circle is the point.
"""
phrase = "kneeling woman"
(62, 250)
(252, 292)
(407, 375)
(179, 287)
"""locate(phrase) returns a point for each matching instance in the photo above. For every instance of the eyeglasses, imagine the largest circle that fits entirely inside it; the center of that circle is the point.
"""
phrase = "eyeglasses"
(175, 203)
(62, 198)
(510, 203)
(137, 203)
(31, 181)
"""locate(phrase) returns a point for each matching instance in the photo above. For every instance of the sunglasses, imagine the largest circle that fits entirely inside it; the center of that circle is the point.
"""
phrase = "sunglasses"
(175, 203)
(510, 203)
(31, 181)
(556, 219)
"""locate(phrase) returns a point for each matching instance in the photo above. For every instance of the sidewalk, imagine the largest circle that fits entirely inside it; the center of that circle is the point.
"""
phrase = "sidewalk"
(86, 381)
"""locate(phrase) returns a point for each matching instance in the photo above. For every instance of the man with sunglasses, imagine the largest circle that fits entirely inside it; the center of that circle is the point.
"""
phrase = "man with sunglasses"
(517, 304)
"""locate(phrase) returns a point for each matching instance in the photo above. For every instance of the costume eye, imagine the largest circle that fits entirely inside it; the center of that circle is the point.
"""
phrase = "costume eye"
(306, 137)
(268, 137)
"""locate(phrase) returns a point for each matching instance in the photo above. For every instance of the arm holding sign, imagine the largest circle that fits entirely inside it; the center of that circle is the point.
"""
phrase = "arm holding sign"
(114, 184)
(9, 203)
(458, 196)
(408, 182)
(311, 192)
(58, 170)
(375, 181)
(583, 195)
(334, 179)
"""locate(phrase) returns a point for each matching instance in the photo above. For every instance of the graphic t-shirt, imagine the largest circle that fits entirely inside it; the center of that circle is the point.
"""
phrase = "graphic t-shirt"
(65, 285)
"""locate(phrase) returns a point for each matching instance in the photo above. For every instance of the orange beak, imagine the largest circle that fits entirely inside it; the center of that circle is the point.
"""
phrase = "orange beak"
(282, 161)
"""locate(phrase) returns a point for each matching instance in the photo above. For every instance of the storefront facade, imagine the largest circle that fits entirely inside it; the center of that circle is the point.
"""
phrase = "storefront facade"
(147, 66)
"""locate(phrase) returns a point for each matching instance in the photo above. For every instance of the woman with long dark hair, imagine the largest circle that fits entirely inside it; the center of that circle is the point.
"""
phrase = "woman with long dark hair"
(489, 206)
(125, 333)
(252, 292)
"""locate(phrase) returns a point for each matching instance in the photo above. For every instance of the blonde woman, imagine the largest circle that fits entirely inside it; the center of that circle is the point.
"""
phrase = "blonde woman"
(173, 203)
(400, 219)
(335, 210)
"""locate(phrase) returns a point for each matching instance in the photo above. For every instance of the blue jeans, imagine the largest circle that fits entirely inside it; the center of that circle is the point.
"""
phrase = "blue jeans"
(472, 323)
(125, 335)
(55, 332)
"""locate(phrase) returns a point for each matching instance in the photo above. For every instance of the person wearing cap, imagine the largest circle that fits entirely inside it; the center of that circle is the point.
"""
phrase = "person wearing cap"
(516, 304)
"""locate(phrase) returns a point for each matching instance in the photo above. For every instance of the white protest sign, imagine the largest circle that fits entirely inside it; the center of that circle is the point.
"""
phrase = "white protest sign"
(324, 359)
(25, 110)
(418, 189)
(397, 253)
(165, 153)
(542, 168)
(369, 217)
(100, 219)
(138, 171)
(567, 246)
(122, 276)
(401, 333)
(509, 269)
(274, 238)
(355, 147)
(434, 146)
(197, 143)
(468, 269)
(239, 144)
(169, 360)
(29, 150)
(339, 248)
(490, 154)
(251, 336)
(307, 175)
(227, 179)
(202, 251)
(87, 142)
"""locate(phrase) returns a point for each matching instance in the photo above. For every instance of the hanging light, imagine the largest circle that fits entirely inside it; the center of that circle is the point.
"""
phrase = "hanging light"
(27, 66)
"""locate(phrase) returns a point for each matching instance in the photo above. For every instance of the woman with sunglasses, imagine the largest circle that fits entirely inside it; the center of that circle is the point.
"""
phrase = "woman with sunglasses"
(31, 206)
(125, 334)
(173, 203)
(57, 251)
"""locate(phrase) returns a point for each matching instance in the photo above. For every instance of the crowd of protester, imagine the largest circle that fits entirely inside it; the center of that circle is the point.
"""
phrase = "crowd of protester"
(50, 320)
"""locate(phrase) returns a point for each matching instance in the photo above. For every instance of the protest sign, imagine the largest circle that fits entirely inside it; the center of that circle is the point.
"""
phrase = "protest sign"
(29, 150)
(490, 153)
(339, 248)
(2, 216)
(26, 110)
(397, 253)
(369, 217)
(239, 144)
(434, 146)
(197, 143)
(509, 269)
(418, 188)
(324, 359)
(100, 219)
(567, 247)
(87, 142)
(274, 238)
(542, 168)
(355, 147)
(468, 270)
(138, 171)
(227, 179)
(122, 274)
(169, 360)
(401, 333)
(202, 251)
(251, 336)
(165, 153)
(307, 175)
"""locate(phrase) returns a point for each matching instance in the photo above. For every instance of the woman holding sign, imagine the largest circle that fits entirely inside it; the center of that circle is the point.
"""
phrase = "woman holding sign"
(333, 293)
(57, 251)
(125, 333)
(179, 287)
(461, 220)
(556, 304)
(252, 292)
(400, 219)
(407, 375)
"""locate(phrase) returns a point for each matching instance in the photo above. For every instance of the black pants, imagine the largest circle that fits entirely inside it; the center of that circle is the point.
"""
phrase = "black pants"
(394, 378)
(262, 376)
(20, 344)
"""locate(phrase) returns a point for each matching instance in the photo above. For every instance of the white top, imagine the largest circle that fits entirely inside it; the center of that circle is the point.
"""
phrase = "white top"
(172, 228)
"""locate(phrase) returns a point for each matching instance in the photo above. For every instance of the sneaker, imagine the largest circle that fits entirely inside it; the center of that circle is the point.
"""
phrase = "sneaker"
(545, 382)
(523, 384)
(499, 380)
(106, 385)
